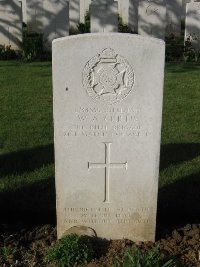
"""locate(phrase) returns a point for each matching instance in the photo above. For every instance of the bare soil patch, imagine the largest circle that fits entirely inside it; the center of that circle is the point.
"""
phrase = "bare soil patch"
(26, 247)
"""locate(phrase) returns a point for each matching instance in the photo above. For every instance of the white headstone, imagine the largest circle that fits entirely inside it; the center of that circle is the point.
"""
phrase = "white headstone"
(11, 23)
(82, 11)
(55, 21)
(174, 12)
(184, 7)
(104, 16)
(123, 7)
(128, 11)
(192, 24)
(152, 18)
(35, 15)
(184, 2)
(107, 123)
(24, 16)
(74, 14)
(84, 8)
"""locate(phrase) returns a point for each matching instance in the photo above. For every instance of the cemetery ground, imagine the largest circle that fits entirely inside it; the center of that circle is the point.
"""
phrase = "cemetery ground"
(27, 188)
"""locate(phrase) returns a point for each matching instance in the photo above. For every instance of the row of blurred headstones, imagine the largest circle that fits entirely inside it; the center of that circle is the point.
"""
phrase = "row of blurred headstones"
(56, 18)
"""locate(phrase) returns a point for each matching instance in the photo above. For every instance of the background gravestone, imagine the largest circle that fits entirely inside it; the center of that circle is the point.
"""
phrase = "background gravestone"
(107, 123)
(152, 18)
(74, 14)
(174, 12)
(55, 21)
(123, 7)
(104, 16)
(35, 15)
(84, 7)
(128, 10)
(192, 24)
(184, 2)
(11, 23)
(24, 16)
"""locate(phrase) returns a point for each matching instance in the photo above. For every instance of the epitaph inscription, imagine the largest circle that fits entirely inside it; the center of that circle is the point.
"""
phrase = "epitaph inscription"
(108, 77)
(107, 165)
(108, 215)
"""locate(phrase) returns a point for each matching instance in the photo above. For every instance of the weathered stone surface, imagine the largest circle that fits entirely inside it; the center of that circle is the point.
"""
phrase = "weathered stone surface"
(152, 18)
(11, 23)
(107, 122)
(104, 16)
(192, 24)
(80, 230)
(174, 12)
(55, 21)
(74, 14)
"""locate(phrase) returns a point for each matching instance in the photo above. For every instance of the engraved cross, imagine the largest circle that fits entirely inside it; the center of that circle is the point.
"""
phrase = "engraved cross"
(107, 166)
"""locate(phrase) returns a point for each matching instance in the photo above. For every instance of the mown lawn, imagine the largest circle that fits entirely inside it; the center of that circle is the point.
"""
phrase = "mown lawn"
(26, 143)
(26, 138)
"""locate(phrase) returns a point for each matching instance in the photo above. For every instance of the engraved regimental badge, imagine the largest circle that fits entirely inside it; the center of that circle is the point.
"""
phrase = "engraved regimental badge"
(108, 77)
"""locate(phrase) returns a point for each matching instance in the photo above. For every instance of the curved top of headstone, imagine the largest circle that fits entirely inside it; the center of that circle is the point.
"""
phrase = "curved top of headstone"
(111, 35)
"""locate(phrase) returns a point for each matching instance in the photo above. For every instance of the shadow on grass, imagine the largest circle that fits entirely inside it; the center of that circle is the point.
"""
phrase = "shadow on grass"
(26, 160)
(182, 68)
(43, 74)
(10, 63)
(179, 203)
(172, 154)
(32, 204)
(31, 159)
(45, 64)
(14, 63)
(35, 204)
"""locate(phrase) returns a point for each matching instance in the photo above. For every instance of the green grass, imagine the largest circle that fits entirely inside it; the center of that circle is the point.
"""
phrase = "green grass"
(26, 140)
(72, 250)
(26, 137)
(180, 151)
(181, 125)
(135, 257)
